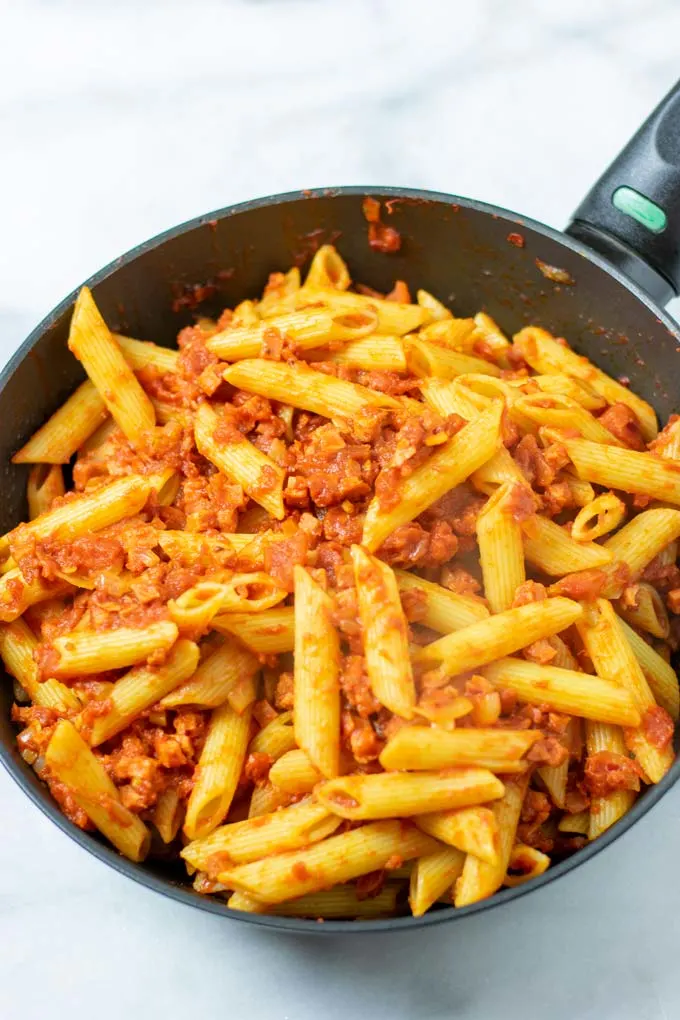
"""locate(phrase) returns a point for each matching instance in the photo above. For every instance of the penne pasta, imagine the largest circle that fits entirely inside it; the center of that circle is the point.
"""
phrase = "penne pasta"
(472, 830)
(219, 768)
(614, 660)
(643, 607)
(142, 687)
(385, 633)
(72, 763)
(294, 773)
(549, 357)
(526, 862)
(304, 330)
(616, 468)
(301, 386)
(64, 433)
(93, 345)
(427, 747)
(168, 814)
(447, 467)
(480, 879)
(598, 517)
(444, 610)
(500, 635)
(316, 699)
(45, 484)
(330, 862)
(139, 354)
(553, 551)
(372, 353)
(93, 651)
(266, 633)
(240, 460)
(606, 809)
(501, 554)
(661, 676)
(427, 359)
(564, 690)
(17, 650)
(401, 794)
(432, 875)
(290, 828)
(215, 679)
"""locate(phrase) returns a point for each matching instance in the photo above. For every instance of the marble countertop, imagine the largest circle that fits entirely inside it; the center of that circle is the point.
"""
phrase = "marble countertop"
(120, 119)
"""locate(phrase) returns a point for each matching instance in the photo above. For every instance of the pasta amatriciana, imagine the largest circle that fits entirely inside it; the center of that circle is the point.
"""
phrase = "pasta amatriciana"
(355, 605)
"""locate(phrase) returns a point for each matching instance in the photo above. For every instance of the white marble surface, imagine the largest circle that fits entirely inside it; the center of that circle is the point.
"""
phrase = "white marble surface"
(119, 118)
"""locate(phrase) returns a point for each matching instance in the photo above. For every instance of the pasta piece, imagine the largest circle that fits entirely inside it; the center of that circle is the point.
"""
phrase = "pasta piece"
(452, 333)
(435, 309)
(91, 342)
(647, 612)
(190, 546)
(426, 359)
(71, 761)
(492, 337)
(385, 634)
(215, 679)
(301, 386)
(563, 690)
(606, 810)
(499, 470)
(267, 633)
(218, 772)
(554, 777)
(559, 411)
(17, 594)
(276, 738)
(267, 798)
(141, 688)
(597, 518)
(372, 353)
(289, 828)
(637, 543)
(432, 875)
(240, 460)
(305, 330)
(88, 651)
(328, 269)
(294, 773)
(500, 635)
(480, 879)
(569, 387)
(447, 467)
(168, 814)
(330, 862)
(341, 901)
(528, 861)
(552, 549)
(316, 679)
(446, 398)
(661, 676)
(549, 357)
(395, 318)
(472, 830)
(427, 747)
(44, 485)
(139, 354)
(400, 794)
(444, 610)
(108, 504)
(17, 648)
(578, 823)
(641, 473)
(64, 433)
(501, 554)
(614, 660)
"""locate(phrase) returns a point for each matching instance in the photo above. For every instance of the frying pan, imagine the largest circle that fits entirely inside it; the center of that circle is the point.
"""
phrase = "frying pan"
(602, 285)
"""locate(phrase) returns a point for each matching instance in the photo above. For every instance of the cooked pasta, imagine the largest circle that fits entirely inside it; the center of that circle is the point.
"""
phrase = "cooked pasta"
(356, 604)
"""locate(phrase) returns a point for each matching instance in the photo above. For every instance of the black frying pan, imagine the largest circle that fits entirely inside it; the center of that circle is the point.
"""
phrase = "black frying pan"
(620, 256)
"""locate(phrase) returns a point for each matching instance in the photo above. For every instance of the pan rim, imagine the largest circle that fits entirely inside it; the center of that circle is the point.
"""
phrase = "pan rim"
(183, 894)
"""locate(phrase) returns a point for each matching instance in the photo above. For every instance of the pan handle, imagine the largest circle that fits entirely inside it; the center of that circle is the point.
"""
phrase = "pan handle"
(632, 214)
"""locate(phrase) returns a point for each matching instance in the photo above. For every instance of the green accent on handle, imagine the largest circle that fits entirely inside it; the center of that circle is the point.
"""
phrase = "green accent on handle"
(632, 203)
